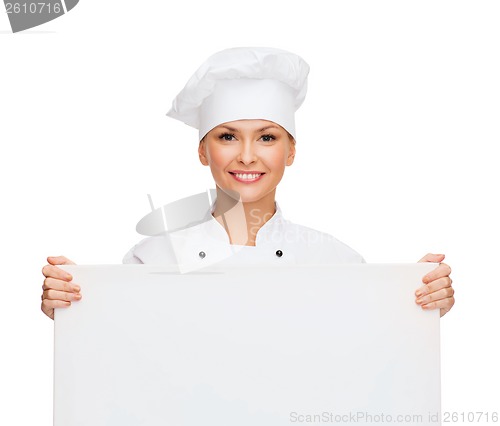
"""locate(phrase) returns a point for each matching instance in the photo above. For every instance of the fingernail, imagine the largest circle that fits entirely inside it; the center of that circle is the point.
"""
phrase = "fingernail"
(422, 291)
(76, 288)
(78, 296)
(68, 277)
(418, 293)
(419, 301)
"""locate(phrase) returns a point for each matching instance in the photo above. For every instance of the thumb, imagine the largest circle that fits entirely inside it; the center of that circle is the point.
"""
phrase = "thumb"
(59, 260)
(434, 258)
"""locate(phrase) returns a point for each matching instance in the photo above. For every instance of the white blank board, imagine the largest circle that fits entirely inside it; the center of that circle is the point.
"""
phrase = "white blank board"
(266, 346)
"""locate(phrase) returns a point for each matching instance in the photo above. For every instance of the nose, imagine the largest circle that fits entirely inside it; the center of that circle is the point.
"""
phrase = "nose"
(247, 154)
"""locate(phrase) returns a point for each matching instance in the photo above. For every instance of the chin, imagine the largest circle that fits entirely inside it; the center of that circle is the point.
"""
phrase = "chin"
(246, 196)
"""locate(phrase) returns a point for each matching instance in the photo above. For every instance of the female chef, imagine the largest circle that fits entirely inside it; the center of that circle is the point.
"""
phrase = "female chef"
(243, 102)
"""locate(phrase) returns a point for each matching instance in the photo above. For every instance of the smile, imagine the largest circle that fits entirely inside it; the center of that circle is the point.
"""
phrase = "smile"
(247, 177)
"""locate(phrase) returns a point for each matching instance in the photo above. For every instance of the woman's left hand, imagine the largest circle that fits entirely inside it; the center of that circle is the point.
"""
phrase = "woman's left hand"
(437, 291)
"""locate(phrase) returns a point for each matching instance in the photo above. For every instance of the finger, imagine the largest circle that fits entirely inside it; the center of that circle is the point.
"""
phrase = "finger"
(434, 286)
(55, 284)
(445, 304)
(51, 271)
(61, 295)
(59, 260)
(430, 257)
(435, 296)
(442, 270)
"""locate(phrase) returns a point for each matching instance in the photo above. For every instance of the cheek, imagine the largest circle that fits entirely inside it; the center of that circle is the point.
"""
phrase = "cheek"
(277, 159)
(218, 159)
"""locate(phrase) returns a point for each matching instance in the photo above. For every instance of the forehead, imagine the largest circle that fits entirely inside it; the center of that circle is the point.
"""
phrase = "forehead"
(251, 125)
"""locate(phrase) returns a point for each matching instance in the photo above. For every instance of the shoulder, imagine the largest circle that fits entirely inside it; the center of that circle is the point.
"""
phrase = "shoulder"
(307, 245)
(319, 247)
(156, 249)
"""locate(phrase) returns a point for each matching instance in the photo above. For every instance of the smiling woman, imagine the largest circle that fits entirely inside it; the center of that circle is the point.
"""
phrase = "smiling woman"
(247, 159)
(243, 103)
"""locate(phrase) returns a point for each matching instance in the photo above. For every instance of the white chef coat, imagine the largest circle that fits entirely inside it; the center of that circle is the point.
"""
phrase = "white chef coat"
(278, 242)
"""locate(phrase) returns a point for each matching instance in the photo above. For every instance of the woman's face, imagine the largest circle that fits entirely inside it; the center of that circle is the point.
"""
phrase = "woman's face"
(247, 157)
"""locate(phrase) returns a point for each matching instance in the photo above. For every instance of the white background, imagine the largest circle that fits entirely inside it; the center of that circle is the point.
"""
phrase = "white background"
(396, 152)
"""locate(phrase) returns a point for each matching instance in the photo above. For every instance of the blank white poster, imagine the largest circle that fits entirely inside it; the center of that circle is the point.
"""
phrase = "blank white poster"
(266, 346)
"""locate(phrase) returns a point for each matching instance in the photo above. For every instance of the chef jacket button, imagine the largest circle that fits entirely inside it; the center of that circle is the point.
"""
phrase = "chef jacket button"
(279, 253)
(202, 254)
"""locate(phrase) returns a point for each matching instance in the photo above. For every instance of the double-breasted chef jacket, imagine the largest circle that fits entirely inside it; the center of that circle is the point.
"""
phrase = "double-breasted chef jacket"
(278, 242)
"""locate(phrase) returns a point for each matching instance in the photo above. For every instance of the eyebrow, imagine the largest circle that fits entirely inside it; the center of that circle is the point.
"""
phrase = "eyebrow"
(268, 127)
(232, 129)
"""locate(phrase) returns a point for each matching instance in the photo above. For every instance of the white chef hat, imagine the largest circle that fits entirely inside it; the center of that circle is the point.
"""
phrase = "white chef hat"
(243, 83)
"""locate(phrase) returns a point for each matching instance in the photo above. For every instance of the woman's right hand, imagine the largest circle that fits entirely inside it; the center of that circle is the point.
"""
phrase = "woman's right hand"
(58, 290)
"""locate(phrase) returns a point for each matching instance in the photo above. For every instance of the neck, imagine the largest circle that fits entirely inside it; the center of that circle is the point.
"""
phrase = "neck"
(242, 220)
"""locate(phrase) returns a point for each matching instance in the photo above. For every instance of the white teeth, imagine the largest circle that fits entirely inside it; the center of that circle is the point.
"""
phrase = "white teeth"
(247, 176)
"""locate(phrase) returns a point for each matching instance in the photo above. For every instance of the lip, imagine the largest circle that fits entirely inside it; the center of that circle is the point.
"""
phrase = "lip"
(246, 171)
(233, 174)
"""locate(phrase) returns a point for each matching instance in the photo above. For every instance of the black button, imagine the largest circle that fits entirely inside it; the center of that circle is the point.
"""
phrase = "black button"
(202, 254)
(279, 253)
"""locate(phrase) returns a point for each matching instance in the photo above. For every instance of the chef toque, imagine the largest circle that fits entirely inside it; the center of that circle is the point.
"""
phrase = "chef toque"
(243, 83)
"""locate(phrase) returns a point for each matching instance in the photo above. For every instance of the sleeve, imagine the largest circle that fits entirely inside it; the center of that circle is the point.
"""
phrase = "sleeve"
(130, 257)
(325, 248)
(151, 250)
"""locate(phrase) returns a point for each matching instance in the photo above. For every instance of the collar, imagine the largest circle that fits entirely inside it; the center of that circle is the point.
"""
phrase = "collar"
(273, 227)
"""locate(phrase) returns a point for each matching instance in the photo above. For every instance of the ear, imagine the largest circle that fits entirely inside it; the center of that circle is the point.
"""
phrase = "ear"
(202, 152)
(291, 152)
